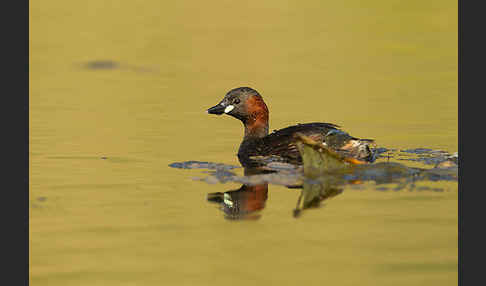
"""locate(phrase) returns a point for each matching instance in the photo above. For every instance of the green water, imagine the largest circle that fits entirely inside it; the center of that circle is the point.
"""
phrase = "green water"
(381, 69)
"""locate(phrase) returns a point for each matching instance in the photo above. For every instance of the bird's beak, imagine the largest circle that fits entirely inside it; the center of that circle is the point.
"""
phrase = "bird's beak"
(217, 109)
(220, 109)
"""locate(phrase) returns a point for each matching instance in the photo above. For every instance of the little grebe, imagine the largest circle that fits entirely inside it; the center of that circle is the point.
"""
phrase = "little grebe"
(247, 105)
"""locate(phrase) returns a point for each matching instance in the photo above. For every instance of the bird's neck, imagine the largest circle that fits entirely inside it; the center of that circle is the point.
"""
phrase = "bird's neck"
(256, 126)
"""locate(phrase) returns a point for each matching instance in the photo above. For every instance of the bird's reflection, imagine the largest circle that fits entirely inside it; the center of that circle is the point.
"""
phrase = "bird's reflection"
(247, 202)
(243, 203)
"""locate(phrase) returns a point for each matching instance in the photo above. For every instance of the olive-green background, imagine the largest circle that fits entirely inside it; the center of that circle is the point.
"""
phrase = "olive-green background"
(381, 69)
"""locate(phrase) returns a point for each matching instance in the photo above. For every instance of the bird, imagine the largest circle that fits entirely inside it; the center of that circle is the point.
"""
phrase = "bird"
(259, 147)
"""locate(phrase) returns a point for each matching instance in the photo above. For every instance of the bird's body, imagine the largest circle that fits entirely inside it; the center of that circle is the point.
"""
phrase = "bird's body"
(258, 146)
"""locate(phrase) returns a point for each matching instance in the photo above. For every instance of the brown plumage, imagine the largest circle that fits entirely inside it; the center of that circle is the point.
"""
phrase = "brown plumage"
(247, 105)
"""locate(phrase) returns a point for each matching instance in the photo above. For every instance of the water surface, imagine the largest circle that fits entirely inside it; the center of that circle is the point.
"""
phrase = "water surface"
(118, 91)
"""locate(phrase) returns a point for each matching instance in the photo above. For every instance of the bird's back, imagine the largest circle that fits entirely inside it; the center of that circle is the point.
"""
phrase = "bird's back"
(280, 145)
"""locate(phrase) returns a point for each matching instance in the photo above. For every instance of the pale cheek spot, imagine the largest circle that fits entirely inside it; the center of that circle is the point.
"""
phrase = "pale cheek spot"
(227, 200)
(229, 108)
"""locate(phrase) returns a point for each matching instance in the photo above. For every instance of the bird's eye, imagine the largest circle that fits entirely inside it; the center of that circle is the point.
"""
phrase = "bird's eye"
(236, 101)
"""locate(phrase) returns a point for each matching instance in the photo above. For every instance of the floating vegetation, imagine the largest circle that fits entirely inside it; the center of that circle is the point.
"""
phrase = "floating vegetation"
(202, 165)
(429, 157)
(325, 167)
(320, 162)
(324, 174)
